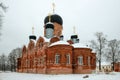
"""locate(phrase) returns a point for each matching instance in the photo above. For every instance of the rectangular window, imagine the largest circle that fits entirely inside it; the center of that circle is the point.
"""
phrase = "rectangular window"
(88, 60)
(80, 60)
(57, 59)
(68, 58)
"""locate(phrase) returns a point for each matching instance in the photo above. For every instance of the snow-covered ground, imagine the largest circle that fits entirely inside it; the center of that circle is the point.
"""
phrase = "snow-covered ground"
(29, 76)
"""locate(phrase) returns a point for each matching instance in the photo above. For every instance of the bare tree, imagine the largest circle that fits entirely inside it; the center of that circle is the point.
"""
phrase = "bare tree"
(113, 51)
(0, 62)
(15, 53)
(3, 62)
(4, 8)
(99, 46)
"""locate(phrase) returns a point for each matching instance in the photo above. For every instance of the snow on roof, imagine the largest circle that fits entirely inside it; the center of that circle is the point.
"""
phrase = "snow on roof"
(59, 42)
(46, 40)
(33, 40)
(104, 63)
(79, 45)
(93, 51)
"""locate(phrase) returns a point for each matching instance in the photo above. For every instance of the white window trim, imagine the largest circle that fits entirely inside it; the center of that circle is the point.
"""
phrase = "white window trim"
(89, 58)
(68, 57)
(57, 56)
(79, 60)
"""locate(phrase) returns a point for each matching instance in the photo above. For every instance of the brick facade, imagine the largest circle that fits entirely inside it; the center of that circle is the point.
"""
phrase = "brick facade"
(42, 59)
(85, 67)
(117, 67)
(42, 56)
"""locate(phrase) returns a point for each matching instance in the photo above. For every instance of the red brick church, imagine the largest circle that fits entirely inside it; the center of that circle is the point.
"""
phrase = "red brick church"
(51, 54)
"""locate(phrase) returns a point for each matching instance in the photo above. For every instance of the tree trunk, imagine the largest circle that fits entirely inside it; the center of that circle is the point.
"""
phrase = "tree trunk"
(99, 65)
(14, 65)
(11, 67)
(113, 61)
(100, 60)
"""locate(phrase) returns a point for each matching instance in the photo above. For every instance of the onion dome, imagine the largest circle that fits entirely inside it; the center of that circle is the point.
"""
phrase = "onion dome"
(74, 36)
(54, 18)
(32, 37)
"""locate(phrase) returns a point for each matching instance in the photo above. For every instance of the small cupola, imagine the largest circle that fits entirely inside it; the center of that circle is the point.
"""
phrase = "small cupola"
(61, 37)
(74, 37)
(32, 37)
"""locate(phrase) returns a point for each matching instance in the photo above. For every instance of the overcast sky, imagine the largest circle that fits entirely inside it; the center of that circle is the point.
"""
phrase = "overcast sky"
(88, 16)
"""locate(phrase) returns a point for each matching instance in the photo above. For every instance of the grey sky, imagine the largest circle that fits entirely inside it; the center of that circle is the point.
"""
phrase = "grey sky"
(88, 16)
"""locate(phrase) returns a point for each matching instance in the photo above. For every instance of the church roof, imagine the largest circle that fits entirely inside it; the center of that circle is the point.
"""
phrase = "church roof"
(74, 36)
(54, 18)
(79, 45)
(104, 63)
(59, 43)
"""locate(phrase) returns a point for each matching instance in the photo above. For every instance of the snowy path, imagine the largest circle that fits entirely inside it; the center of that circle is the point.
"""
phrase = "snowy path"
(25, 76)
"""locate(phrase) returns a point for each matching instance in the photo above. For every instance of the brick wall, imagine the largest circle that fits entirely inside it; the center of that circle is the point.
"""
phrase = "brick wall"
(62, 67)
(41, 59)
(85, 68)
(117, 67)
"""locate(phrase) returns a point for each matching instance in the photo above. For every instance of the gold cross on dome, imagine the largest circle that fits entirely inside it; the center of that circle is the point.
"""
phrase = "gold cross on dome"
(74, 30)
(49, 17)
(53, 7)
(32, 30)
